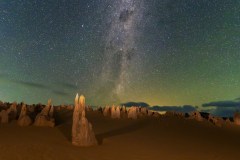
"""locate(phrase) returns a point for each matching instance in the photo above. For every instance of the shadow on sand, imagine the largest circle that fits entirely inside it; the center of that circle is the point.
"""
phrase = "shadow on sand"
(63, 121)
(66, 129)
(120, 131)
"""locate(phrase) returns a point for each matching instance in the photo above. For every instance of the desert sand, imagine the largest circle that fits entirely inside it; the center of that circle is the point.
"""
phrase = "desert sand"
(166, 137)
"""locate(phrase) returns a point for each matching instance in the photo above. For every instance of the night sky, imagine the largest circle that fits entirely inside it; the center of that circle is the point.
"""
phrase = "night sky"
(161, 52)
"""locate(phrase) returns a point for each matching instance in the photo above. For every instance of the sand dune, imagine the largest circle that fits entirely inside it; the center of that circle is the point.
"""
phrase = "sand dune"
(143, 139)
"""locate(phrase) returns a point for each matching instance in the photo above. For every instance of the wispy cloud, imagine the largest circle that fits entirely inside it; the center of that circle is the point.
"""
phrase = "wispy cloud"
(31, 84)
(60, 93)
(222, 104)
(222, 108)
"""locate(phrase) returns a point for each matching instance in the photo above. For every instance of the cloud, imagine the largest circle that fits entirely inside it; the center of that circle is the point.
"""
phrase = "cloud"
(30, 84)
(21, 82)
(222, 111)
(222, 108)
(185, 108)
(222, 104)
(130, 104)
(225, 112)
(60, 93)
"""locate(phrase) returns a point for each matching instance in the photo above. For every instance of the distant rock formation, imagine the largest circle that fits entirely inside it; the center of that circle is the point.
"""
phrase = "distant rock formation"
(4, 116)
(24, 119)
(118, 112)
(236, 118)
(156, 114)
(106, 111)
(144, 110)
(46, 109)
(228, 122)
(133, 112)
(31, 108)
(3, 105)
(44, 118)
(115, 112)
(89, 109)
(150, 113)
(195, 115)
(82, 131)
(62, 106)
(217, 121)
(99, 109)
(175, 113)
(12, 111)
(51, 112)
(69, 107)
(123, 112)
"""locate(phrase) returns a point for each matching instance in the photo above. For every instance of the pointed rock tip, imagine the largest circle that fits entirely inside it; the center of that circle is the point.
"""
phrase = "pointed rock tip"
(76, 98)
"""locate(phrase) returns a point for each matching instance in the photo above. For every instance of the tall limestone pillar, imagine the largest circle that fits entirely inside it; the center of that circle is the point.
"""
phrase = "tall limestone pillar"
(82, 131)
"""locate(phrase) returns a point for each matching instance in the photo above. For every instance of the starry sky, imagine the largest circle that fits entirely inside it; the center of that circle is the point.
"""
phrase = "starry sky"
(161, 52)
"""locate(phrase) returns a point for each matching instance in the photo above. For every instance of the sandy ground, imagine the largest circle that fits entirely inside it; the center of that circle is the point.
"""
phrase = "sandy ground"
(167, 138)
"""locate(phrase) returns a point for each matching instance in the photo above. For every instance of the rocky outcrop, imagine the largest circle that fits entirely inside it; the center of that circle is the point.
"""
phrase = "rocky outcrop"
(118, 112)
(24, 119)
(3, 105)
(69, 107)
(31, 108)
(89, 109)
(144, 110)
(115, 112)
(150, 113)
(156, 115)
(175, 114)
(4, 116)
(195, 115)
(99, 109)
(236, 118)
(46, 109)
(85, 134)
(12, 111)
(123, 112)
(133, 112)
(82, 131)
(51, 111)
(76, 118)
(217, 121)
(62, 107)
(44, 118)
(106, 111)
(228, 122)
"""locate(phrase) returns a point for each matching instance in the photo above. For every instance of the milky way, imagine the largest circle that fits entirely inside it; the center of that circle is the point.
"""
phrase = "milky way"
(120, 47)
